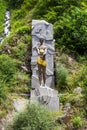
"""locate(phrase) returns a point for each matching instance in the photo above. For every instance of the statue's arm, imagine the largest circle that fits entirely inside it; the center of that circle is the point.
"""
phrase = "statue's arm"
(37, 49)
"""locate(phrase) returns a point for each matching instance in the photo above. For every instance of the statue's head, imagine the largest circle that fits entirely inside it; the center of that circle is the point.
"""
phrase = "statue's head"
(41, 40)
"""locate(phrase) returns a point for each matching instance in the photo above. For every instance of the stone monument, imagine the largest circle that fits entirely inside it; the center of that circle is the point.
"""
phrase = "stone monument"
(45, 95)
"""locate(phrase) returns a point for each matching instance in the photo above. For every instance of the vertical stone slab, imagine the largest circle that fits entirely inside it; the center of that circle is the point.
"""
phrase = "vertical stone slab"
(44, 95)
(41, 28)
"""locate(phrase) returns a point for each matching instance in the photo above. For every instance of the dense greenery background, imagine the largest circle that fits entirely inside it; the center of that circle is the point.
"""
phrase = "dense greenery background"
(69, 19)
(2, 15)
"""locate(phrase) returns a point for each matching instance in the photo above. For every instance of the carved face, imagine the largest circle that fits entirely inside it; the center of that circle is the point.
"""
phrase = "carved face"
(41, 50)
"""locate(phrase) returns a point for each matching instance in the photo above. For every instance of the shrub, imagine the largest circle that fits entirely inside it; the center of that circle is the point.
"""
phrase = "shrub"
(7, 72)
(7, 67)
(20, 51)
(34, 117)
(77, 122)
(14, 3)
(17, 24)
(24, 30)
(79, 78)
(61, 77)
(2, 15)
(29, 4)
(19, 14)
(69, 20)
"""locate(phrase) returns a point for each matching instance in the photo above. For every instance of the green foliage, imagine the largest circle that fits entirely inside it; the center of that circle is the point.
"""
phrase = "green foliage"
(70, 22)
(29, 4)
(17, 24)
(12, 4)
(77, 122)
(63, 99)
(34, 117)
(27, 39)
(20, 51)
(51, 15)
(7, 71)
(21, 82)
(61, 77)
(40, 9)
(11, 80)
(24, 30)
(69, 18)
(3, 113)
(15, 4)
(79, 78)
(2, 15)
(7, 82)
(18, 14)
(7, 68)
(71, 30)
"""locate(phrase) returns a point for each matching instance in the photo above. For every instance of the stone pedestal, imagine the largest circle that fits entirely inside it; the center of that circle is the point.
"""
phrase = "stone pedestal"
(46, 96)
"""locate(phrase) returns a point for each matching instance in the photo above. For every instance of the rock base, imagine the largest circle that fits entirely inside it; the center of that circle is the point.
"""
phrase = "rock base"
(46, 96)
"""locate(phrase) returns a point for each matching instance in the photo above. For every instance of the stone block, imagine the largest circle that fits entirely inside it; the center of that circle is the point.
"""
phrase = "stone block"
(46, 96)
(35, 81)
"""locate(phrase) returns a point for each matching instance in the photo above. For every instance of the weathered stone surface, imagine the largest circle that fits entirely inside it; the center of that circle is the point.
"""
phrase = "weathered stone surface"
(46, 96)
(34, 82)
(41, 28)
(20, 104)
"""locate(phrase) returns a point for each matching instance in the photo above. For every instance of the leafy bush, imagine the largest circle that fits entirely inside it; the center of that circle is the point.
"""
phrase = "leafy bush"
(63, 99)
(34, 117)
(7, 81)
(51, 16)
(24, 30)
(20, 51)
(18, 14)
(70, 31)
(61, 77)
(7, 72)
(7, 68)
(12, 4)
(29, 4)
(77, 122)
(79, 78)
(69, 20)
(17, 24)
(2, 15)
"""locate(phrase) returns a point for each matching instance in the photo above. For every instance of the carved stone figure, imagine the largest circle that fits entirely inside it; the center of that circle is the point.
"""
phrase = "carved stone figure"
(42, 29)
(42, 65)
(41, 60)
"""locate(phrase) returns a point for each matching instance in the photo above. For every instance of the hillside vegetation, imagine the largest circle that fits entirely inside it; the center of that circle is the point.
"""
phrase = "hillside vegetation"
(2, 15)
(69, 19)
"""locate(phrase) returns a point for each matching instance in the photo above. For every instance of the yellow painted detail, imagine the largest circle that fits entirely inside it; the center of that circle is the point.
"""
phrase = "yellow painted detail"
(41, 61)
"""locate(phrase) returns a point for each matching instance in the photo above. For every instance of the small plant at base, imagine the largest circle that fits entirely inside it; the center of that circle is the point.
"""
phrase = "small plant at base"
(61, 77)
(77, 122)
